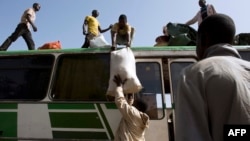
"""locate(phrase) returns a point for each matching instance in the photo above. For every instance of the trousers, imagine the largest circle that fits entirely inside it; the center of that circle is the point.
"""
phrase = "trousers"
(21, 30)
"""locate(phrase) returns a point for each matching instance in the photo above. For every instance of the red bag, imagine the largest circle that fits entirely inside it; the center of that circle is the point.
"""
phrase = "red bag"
(51, 45)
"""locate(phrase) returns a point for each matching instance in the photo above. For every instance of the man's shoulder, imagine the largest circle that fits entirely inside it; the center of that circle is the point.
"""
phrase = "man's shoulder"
(86, 17)
(115, 26)
(89, 17)
(215, 62)
(200, 65)
(209, 6)
(29, 11)
(199, 68)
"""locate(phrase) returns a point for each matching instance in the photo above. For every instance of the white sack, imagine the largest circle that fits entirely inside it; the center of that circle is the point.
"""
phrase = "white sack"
(123, 63)
(98, 41)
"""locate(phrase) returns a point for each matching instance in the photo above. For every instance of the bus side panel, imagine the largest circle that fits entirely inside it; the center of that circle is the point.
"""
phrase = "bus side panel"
(37, 121)
(158, 130)
(8, 120)
(78, 121)
(33, 121)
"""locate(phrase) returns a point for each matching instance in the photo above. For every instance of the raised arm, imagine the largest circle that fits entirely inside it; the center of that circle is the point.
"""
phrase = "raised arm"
(193, 20)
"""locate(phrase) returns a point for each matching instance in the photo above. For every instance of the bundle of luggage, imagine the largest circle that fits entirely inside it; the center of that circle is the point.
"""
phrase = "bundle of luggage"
(51, 45)
(242, 39)
(181, 35)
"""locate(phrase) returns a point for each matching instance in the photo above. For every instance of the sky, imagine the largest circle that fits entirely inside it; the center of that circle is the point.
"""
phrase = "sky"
(63, 19)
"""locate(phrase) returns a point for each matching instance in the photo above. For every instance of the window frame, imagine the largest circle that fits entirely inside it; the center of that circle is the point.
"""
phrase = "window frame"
(163, 100)
(176, 60)
(55, 75)
(16, 68)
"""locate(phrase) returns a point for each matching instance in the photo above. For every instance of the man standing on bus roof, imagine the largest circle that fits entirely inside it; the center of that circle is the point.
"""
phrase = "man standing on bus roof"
(91, 28)
(134, 120)
(23, 28)
(215, 91)
(205, 10)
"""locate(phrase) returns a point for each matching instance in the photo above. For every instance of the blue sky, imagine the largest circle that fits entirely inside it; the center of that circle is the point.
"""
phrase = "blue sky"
(62, 19)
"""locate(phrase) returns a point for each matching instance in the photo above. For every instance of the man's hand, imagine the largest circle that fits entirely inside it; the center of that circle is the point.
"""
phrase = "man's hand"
(84, 33)
(34, 28)
(110, 26)
(117, 79)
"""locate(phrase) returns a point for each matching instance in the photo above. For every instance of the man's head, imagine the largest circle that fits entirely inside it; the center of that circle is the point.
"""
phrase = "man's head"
(36, 6)
(215, 29)
(95, 13)
(141, 105)
(202, 3)
(130, 98)
(122, 20)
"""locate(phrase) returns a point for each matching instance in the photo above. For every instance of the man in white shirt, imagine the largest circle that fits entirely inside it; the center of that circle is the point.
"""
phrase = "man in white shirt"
(215, 91)
(23, 29)
(206, 10)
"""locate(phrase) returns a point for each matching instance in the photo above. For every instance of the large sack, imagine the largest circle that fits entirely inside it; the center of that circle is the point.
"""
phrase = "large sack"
(98, 41)
(123, 63)
(51, 45)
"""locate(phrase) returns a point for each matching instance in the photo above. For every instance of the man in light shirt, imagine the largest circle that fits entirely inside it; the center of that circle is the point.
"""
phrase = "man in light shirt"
(23, 29)
(120, 32)
(206, 10)
(134, 120)
(215, 91)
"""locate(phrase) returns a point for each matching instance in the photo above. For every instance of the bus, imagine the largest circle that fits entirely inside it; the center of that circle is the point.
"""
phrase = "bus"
(61, 94)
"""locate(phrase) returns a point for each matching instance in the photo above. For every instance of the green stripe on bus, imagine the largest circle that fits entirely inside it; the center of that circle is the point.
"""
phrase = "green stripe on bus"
(71, 106)
(110, 106)
(75, 120)
(79, 135)
(8, 106)
(8, 124)
(105, 121)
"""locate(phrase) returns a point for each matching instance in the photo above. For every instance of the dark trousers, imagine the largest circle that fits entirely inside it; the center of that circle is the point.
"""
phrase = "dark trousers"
(21, 30)
(86, 42)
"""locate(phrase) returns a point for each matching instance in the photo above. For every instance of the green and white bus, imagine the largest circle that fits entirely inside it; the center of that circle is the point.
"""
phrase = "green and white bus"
(60, 94)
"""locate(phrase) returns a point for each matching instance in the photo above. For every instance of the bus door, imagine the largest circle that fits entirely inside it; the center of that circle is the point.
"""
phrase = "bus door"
(175, 68)
(150, 74)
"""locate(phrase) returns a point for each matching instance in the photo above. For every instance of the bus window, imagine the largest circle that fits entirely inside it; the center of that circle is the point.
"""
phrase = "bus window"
(245, 55)
(149, 74)
(25, 77)
(81, 77)
(175, 71)
(176, 66)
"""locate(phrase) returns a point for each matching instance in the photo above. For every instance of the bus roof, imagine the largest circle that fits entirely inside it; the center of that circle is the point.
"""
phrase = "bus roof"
(99, 50)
